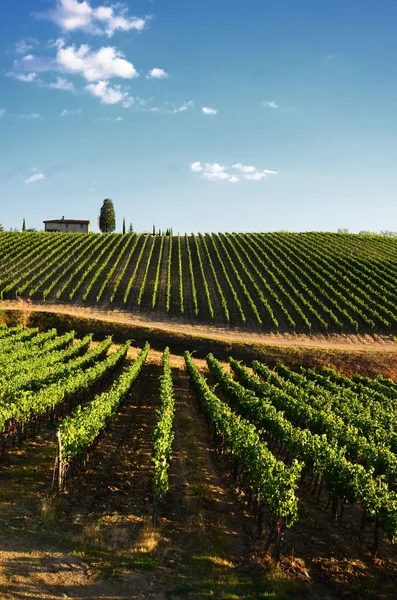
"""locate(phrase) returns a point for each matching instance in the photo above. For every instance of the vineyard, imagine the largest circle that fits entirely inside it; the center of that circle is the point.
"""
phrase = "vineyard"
(289, 442)
(273, 282)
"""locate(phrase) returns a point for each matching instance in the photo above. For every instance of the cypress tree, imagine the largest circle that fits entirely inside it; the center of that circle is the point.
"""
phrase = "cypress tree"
(123, 226)
(107, 217)
(23, 225)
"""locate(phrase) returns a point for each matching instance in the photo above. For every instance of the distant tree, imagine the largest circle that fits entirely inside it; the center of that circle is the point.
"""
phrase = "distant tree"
(1, 227)
(107, 217)
(123, 226)
(130, 229)
(154, 230)
(24, 225)
(388, 233)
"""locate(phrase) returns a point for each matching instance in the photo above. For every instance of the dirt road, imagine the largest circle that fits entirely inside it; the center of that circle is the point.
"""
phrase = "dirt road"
(336, 341)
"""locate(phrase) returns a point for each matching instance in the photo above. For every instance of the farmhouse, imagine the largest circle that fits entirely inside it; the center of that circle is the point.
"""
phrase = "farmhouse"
(68, 225)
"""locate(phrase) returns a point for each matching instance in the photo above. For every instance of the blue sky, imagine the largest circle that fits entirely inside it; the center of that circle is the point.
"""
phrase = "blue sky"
(220, 115)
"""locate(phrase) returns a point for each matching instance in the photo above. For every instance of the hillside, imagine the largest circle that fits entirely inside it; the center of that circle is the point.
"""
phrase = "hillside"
(286, 282)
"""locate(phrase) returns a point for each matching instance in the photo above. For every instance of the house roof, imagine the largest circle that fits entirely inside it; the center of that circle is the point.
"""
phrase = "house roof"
(69, 221)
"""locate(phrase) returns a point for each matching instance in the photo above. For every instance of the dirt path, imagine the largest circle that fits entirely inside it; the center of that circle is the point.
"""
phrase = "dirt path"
(335, 341)
(211, 550)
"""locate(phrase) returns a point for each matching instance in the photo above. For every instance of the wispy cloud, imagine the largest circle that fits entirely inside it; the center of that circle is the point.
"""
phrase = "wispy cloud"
(270, 104)
(219, 172)
(2, 112)
(330, 57)
(27, 78)
(35, 177)
(157, 74)
(109, 119)
(254, 176)
(183, 108)
(71, 113)
(25, 45)
(31, 116)
(61, 84)
(209, 111)
(244, 168)
(72, 15)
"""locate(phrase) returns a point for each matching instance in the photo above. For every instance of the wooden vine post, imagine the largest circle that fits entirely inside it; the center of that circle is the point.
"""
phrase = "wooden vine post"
(59, 477)
(279, 539)
(155, 516)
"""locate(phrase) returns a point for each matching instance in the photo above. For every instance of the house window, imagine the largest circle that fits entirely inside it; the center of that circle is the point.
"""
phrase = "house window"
(81, 226)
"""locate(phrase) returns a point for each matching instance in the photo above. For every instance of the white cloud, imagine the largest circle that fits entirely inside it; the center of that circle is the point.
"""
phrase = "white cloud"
(2, 112)
(254, 176)
(35, 177)
(243, 168)
(114, 120)
(270, 104)
(72, 15)
(330, 57)
(104, 64)
(28, 78)
(214, 168)
(196, 167)
(109, 94)
(209, 111)
(25, 45)
(216, 176)
(30, 116)
(215, 172)
(157, 74)
(183, 108)
(71, 113)
(62, 84)
(218, 172)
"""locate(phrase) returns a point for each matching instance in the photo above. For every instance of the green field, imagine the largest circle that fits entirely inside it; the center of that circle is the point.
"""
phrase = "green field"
(286, 282)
